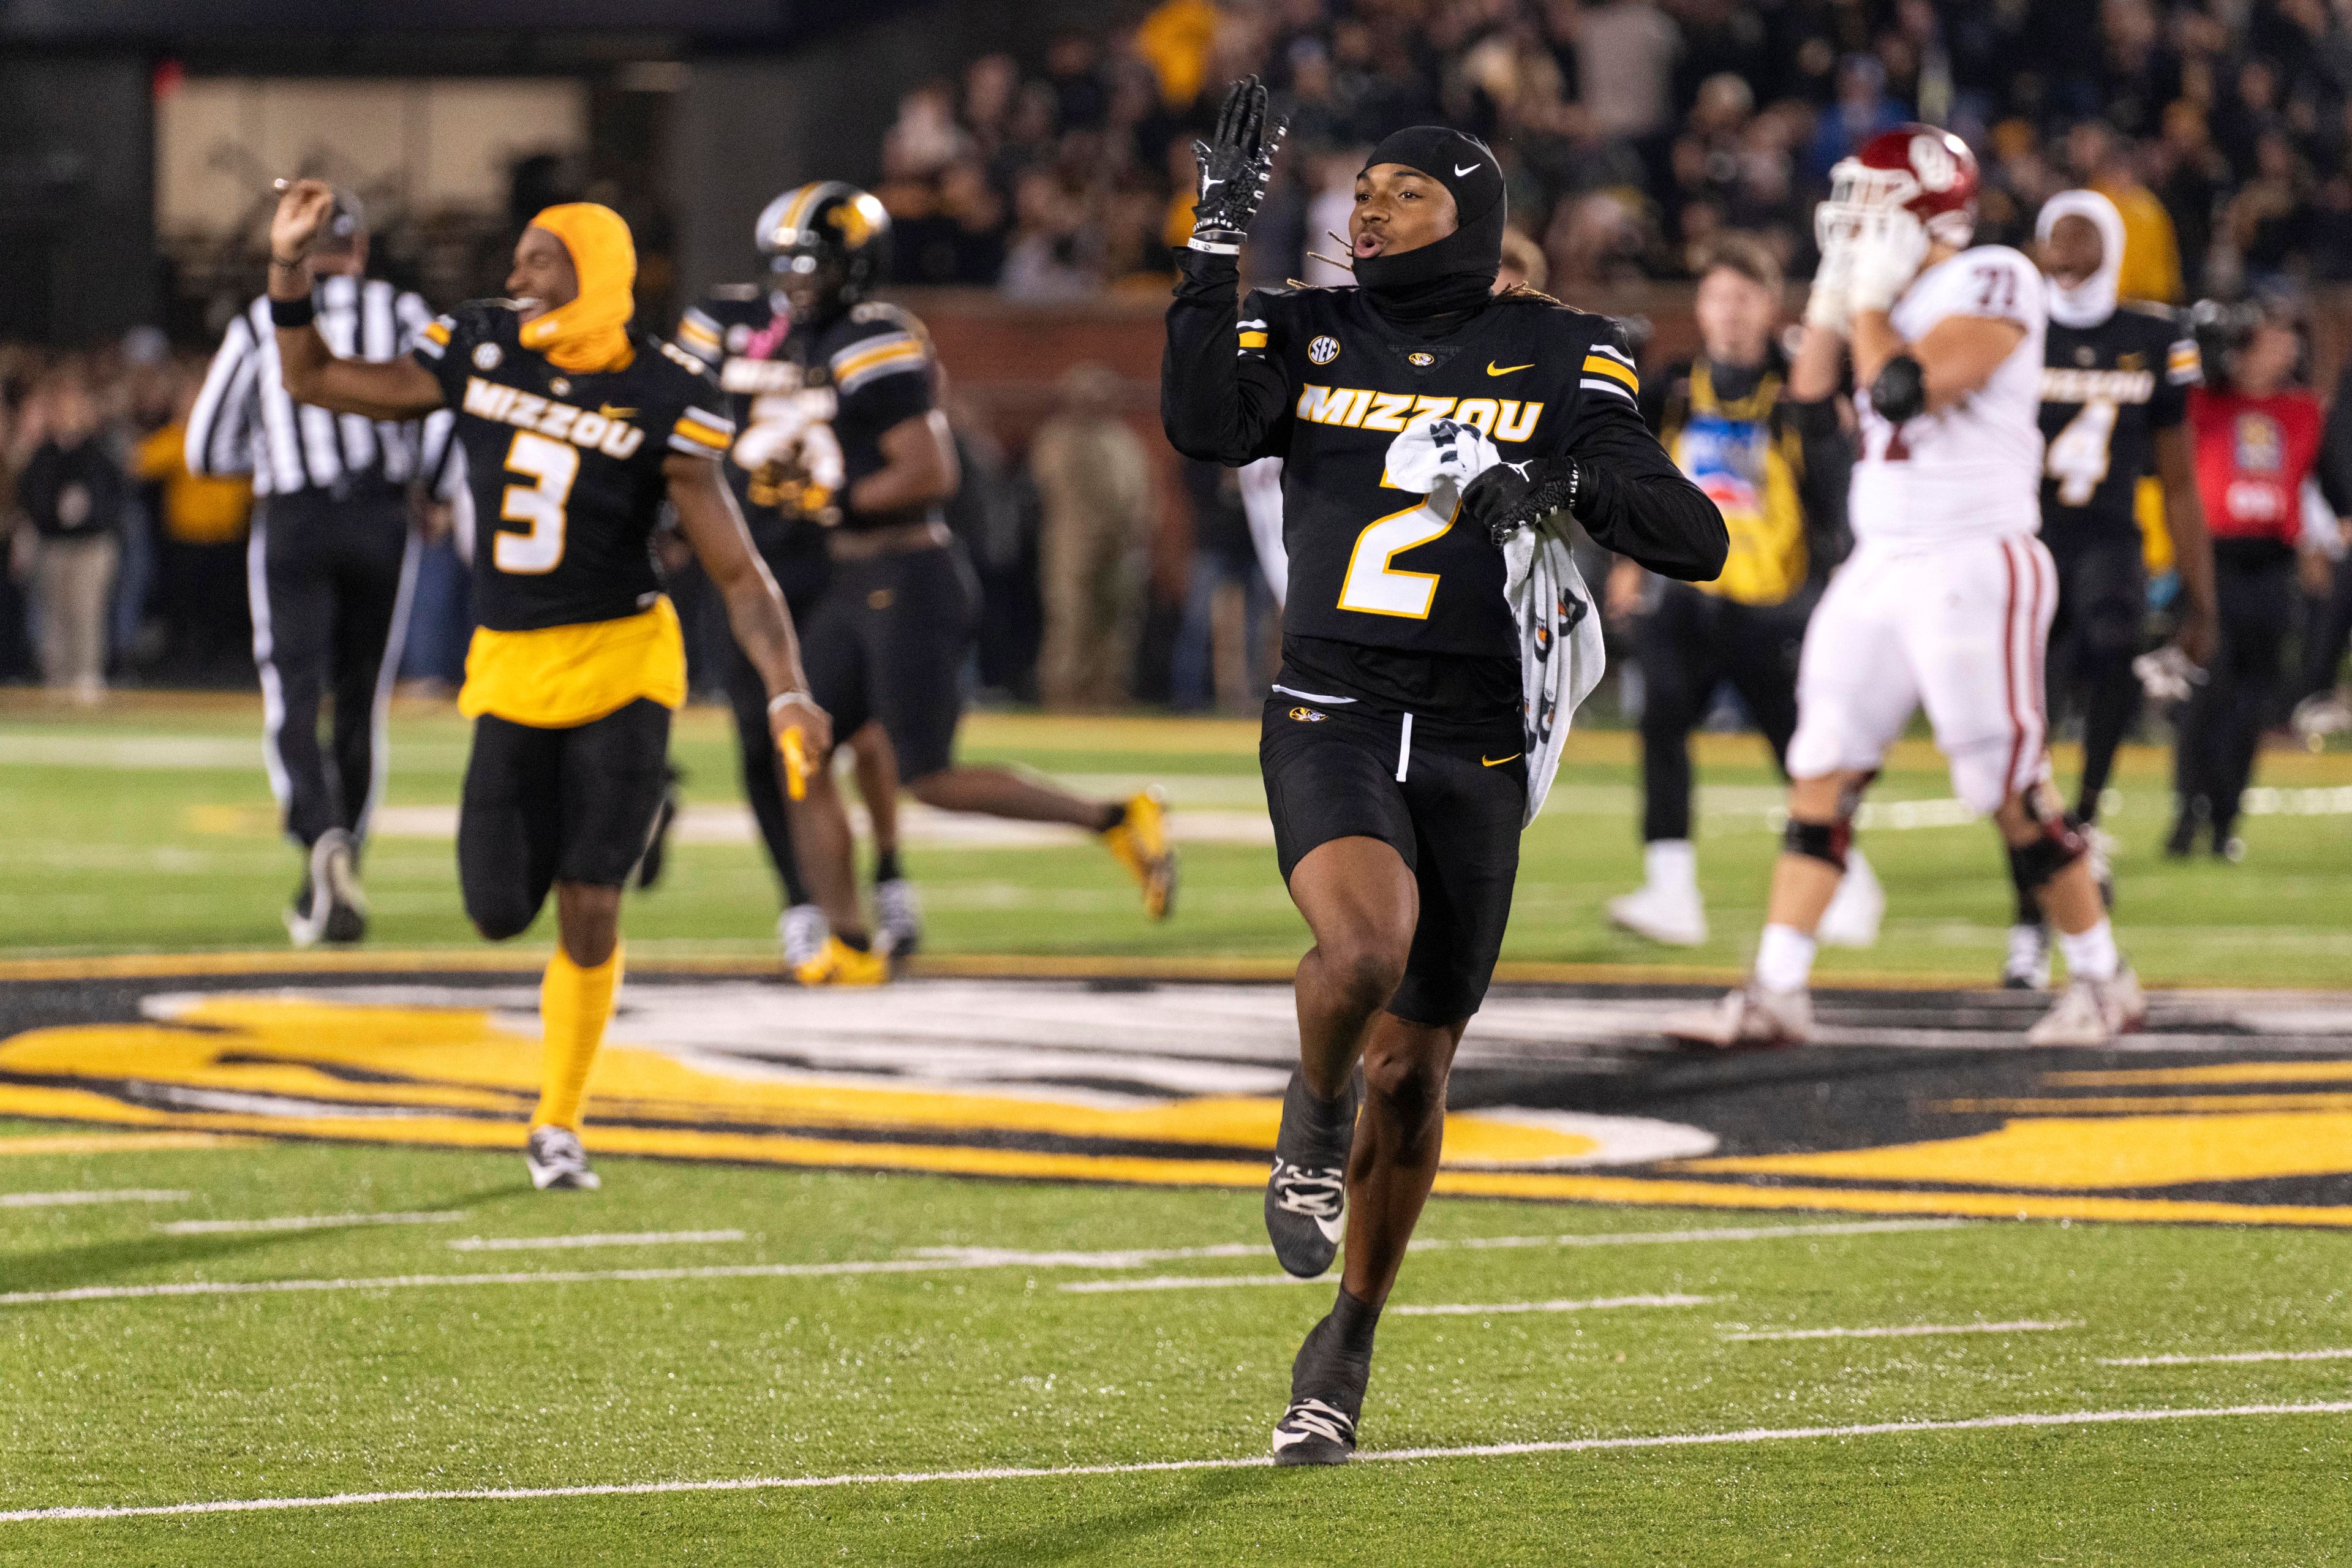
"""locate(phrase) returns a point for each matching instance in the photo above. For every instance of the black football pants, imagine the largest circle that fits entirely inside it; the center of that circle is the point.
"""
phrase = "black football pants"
(329, 581)
(2214, 753)
(1688, 646)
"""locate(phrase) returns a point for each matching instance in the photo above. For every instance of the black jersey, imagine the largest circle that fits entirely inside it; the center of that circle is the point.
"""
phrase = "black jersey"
(740, 336)
(566, 467)
(2105, 392)
(1320, 380)
(866, 371)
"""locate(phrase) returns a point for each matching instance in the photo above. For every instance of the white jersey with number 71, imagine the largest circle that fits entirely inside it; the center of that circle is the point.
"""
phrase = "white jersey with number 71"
(1972, 470)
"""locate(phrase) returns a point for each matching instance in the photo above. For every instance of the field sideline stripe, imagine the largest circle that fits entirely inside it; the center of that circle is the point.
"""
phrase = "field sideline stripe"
(1153, 1466)
(1911, 1331)
(112, 1195)
(1594, 1304)
(592, 1238)
(302, 1222)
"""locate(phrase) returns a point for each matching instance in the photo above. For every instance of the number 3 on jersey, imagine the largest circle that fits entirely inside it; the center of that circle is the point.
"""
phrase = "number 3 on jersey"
(551, 466)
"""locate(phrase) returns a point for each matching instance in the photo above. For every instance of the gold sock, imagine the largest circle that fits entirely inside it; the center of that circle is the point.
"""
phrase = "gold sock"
(574, 1005)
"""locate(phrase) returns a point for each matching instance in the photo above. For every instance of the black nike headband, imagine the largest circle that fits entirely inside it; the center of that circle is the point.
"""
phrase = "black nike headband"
(1442, 272)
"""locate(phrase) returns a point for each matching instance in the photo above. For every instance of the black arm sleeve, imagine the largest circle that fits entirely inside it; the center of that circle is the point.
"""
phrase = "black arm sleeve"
(1633, 499)
(1216, 403)
(1828, 474)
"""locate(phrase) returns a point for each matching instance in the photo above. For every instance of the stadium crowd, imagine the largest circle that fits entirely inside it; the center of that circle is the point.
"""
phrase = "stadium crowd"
(1632, 131)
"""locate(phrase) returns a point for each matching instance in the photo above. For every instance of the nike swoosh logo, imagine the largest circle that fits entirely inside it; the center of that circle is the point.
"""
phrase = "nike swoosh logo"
(1205, 185)
(1494, 369)
(1337, 1230)
(1485, 761)
(609, 412)
(1463, 170)
(1289, 1439)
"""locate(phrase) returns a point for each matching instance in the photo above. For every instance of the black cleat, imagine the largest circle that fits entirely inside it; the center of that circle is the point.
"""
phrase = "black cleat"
(334, 869)
(1307, 1196)
(1327, 1396)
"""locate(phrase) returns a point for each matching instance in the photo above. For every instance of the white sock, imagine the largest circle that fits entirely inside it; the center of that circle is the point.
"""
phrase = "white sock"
(1670, 864)
(1784, 958)
(2092, 955)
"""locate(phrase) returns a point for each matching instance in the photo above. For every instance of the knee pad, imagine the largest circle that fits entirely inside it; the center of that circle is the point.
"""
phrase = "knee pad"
(2057, 844)
(1824, 841)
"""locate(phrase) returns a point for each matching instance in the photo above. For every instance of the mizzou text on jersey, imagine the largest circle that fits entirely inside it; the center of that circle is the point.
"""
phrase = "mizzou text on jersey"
(2105, 392)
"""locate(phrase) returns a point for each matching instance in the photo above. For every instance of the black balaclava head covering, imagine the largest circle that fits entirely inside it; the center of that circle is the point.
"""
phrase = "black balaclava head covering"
(1454, 275)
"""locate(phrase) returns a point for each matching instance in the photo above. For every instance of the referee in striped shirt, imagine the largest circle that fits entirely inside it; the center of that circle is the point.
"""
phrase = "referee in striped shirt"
(329, 566)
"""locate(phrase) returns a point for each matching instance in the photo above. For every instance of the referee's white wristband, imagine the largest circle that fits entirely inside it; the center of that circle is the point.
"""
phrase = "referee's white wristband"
(780, 698)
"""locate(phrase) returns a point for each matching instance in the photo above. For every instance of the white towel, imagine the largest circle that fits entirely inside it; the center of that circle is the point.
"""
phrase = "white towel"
(1561, 653)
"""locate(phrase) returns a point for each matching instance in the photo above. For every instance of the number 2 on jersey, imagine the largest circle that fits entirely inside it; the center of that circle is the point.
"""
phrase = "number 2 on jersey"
(1373, 586)
(2078, 455)
(551, 466)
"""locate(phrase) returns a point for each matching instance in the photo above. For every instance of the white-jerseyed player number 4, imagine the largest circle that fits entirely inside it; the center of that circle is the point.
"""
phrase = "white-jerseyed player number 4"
(551, 466)
(2078, 458)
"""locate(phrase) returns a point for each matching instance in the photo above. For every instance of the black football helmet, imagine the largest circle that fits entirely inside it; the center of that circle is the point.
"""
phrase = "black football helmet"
(827, 244)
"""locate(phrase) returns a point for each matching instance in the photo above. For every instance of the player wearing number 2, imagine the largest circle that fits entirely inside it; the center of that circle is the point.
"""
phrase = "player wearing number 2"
(1945, 601)
(1393, 742)
(575, 431)
(2115, 411)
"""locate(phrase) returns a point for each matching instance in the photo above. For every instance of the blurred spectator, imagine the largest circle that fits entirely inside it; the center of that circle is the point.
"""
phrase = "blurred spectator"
(200, 570)
(1054, 256)
(1862, 110)
(2104, 161)
(2258, 435)
(1093, 478)
(1625, 53)
(72, 491)
(1223, 649)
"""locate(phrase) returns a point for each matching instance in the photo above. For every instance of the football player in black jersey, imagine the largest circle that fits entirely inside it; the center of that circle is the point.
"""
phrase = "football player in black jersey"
(1394, 736)
(739, 329)
(887, 639)
(2115, 410)
(575, 431)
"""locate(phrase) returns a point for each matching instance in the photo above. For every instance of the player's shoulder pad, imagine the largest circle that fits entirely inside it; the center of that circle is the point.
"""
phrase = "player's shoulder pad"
(2156, 310)
(1602, 346)
(872, 341)
(673, 369)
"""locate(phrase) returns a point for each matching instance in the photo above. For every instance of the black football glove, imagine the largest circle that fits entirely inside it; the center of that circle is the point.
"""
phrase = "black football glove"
(1236, 165)
(1509, 496)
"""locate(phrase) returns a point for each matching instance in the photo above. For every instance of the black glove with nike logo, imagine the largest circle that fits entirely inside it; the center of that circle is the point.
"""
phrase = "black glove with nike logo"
(1236, 163)
(1509, 496)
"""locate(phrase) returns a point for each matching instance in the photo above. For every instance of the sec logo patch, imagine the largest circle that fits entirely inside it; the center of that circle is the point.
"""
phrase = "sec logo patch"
(1323, 350)
(1307, 715)
(486, 356)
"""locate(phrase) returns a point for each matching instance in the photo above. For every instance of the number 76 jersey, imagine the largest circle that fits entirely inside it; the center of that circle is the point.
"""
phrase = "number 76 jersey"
(1972, 470)
(566, 466)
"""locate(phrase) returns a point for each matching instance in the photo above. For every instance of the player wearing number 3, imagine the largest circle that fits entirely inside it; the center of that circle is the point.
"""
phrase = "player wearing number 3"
(575, 431)
(1947, 600)
(1393, 740)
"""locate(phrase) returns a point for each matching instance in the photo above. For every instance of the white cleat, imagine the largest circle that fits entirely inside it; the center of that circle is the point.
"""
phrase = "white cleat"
(2027, 966)
(1751, 1015)
(1672, 916)
(897, 916)
(1860, 903)
(802, 930)
(2091, 1012)
(557, 1160)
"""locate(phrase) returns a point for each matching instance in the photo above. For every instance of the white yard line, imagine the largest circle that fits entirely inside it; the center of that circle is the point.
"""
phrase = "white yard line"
(300, 1222)
(1912, 1331)
(1598, 1303)
(115, 1195)
(928, 1262)
(1009, 1473)
(615, 1239)
(1132, 1258)
(1186, 1282)
(2232, 1356)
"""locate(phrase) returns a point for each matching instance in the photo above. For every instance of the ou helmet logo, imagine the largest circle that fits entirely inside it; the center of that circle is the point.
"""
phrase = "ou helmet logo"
(1933, 162)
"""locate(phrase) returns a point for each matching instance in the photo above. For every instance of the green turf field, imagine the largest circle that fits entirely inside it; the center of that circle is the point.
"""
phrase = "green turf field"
(419, 1382)
(148, 826)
